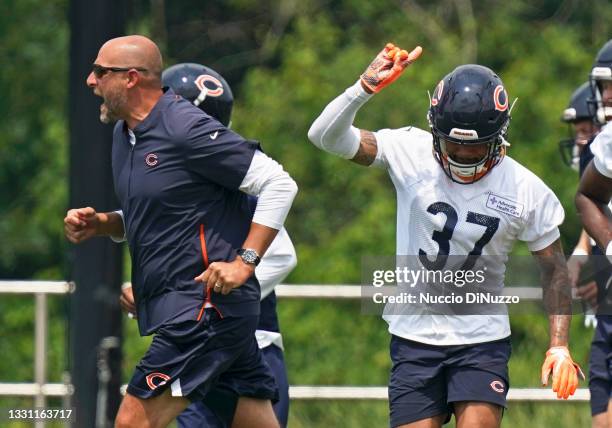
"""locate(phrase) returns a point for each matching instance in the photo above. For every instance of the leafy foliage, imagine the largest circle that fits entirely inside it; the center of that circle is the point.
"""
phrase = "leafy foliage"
(285, 60)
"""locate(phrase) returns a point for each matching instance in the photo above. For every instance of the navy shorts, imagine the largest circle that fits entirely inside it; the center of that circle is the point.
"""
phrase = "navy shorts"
(199, 415)
(600, 365)
(427, 379)
(194, 357)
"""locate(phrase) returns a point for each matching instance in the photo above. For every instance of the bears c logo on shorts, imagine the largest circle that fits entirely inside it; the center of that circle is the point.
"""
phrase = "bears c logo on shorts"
(498, 386)
(151, 380)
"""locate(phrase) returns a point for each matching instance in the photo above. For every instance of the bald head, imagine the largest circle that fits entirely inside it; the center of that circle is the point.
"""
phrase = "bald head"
(135, 51)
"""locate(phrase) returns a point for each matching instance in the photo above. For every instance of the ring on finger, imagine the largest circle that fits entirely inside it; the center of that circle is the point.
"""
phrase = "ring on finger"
(217, 285)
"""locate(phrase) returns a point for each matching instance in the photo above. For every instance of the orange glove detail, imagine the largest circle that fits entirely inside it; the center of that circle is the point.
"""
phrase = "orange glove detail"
(387, 66)
(564, 371)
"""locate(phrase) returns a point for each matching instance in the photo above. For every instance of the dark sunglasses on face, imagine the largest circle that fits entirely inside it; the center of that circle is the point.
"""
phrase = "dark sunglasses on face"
(100, 71)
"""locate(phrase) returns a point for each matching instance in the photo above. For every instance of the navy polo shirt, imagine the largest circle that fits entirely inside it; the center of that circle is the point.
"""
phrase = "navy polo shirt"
(178, 189)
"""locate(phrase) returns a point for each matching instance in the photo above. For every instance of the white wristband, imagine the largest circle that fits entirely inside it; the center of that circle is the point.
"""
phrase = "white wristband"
(609, 251)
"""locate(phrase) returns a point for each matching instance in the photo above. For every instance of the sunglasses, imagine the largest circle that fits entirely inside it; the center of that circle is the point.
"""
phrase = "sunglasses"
(100, 71)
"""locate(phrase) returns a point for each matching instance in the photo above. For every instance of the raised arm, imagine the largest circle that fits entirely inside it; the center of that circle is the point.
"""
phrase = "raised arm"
(333, 130)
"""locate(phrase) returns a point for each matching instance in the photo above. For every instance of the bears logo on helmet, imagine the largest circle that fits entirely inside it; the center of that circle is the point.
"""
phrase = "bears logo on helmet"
(201, 81)
(202, 86)
(501, 98)
(437, 93)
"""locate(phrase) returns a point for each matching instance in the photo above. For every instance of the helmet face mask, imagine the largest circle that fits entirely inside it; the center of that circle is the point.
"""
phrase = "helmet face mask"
(600, 108)
(469, 108)
(581, 125)
(203, 87)
(570, 153)
(466, 170)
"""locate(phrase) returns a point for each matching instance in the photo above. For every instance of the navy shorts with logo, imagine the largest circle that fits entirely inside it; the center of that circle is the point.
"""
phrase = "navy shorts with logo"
(600, 365)
(194, 357)
(199, 415)
(427, 379)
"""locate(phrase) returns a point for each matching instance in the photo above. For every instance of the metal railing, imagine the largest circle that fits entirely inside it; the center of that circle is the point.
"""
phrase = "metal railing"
(40, 389)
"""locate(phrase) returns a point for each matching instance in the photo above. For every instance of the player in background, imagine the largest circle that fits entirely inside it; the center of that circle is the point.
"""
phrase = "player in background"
(582, 126)
(457, 195)
(592, 201)
(209, 91)
(576, 154)
(596, 183)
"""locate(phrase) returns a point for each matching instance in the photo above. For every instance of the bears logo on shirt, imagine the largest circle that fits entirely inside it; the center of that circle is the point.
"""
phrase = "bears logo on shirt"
(151, 159)
(152, 380)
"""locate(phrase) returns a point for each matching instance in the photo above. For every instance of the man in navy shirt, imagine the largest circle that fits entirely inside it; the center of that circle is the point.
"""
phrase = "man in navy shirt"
(209, 91)
(182, 180)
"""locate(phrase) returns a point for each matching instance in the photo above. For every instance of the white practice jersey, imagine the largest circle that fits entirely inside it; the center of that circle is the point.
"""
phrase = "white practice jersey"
(278, 261)
(601, 148)
(510, 203)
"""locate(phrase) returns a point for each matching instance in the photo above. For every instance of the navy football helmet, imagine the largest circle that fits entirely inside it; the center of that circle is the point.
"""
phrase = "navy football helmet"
(203, 86)
(601, 70)
(469, 106)
(577, 111)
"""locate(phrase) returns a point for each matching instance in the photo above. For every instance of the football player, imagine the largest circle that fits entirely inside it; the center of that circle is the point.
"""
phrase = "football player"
(596, 182)
(575, 153)
(209, 91)
(457, 195)
(592, 201)
(582, 127)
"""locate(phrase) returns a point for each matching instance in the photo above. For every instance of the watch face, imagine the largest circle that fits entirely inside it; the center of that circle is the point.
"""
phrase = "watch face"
(249, 256)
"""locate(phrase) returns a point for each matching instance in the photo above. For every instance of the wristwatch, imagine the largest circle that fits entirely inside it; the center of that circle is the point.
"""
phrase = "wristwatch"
(249, 256)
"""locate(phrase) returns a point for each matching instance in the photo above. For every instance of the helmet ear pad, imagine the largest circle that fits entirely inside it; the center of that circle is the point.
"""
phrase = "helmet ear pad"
(469, 106)
(203, 87)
